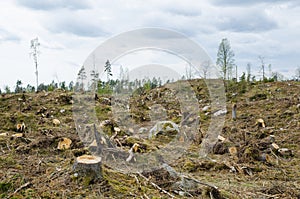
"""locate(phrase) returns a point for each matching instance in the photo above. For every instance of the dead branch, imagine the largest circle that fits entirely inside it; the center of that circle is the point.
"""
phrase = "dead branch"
(156, 186)
(18, 189)
(199, 182)
(146, 196)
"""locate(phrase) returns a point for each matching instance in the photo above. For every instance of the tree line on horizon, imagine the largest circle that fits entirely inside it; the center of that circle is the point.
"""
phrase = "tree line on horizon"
(225, 62)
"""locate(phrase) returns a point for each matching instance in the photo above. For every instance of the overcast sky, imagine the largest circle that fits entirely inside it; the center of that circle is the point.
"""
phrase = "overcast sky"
(70, 30)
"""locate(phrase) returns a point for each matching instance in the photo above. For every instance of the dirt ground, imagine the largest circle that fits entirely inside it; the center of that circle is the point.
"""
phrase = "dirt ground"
(257, 155)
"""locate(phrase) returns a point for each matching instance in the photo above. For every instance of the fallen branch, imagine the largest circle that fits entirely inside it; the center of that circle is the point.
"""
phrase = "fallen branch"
(18, 189)
(199, 182)
(156, 186)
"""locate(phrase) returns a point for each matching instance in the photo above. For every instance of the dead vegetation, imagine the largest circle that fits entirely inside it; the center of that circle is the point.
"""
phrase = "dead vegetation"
(256, 156)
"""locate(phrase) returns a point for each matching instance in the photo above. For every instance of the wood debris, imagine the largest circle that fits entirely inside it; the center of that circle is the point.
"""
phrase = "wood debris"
(65, 143)
(56, 122)
(260, 122)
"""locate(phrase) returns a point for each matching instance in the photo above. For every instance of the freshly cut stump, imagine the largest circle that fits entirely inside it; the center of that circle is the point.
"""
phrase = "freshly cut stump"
(88, 165)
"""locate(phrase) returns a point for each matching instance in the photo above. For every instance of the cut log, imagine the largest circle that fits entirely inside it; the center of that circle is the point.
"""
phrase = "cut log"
(88, 165)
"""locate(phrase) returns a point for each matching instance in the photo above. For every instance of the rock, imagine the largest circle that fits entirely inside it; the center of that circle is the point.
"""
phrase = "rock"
(117, 129)
(163, 127)
(62, 111)
(56, 122)
(143, 130)
(285, 152)
(65, 143)
(105, 123)
(220, 112)
(205, 108)
(130, 131)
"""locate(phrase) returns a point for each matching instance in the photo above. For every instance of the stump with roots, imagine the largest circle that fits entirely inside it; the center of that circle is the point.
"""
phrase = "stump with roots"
(88, 166)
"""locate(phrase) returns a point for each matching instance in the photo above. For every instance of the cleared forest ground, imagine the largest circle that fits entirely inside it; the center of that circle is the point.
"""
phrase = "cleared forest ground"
(252, 161)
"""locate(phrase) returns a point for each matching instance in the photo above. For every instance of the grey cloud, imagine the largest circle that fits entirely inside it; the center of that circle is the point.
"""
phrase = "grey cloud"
(8, 36)
(54, 4)
(247, 22)
(249, 2)
(186, 12)
(76, 26)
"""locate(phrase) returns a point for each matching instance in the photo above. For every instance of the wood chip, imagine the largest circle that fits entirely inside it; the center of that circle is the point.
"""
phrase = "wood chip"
(56, 122)
(221, 138)
(64, 144)
(261, 122)
(275, 146)
(232, 151)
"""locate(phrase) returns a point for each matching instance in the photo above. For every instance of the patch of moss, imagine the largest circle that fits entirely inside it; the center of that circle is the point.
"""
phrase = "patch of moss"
(5, 187)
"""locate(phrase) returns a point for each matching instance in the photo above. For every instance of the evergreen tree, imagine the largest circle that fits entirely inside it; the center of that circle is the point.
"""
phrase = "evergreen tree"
(62, 85)
(7, 90)
(19, 88)
(29, 88)
(71, 86)
(108, 69)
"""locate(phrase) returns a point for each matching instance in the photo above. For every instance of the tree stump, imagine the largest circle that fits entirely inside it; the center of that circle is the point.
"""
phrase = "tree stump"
(234, 111)
(88, 166)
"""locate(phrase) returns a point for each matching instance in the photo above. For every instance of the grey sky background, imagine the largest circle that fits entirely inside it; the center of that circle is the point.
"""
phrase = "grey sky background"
(70, 30)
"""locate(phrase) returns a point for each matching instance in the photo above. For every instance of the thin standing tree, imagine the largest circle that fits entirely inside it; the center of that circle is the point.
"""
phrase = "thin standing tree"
(34, 53)
(248, 68)
(205, 66)
(225, 58)
(298, 73)
(81, 77)
(262, 61)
